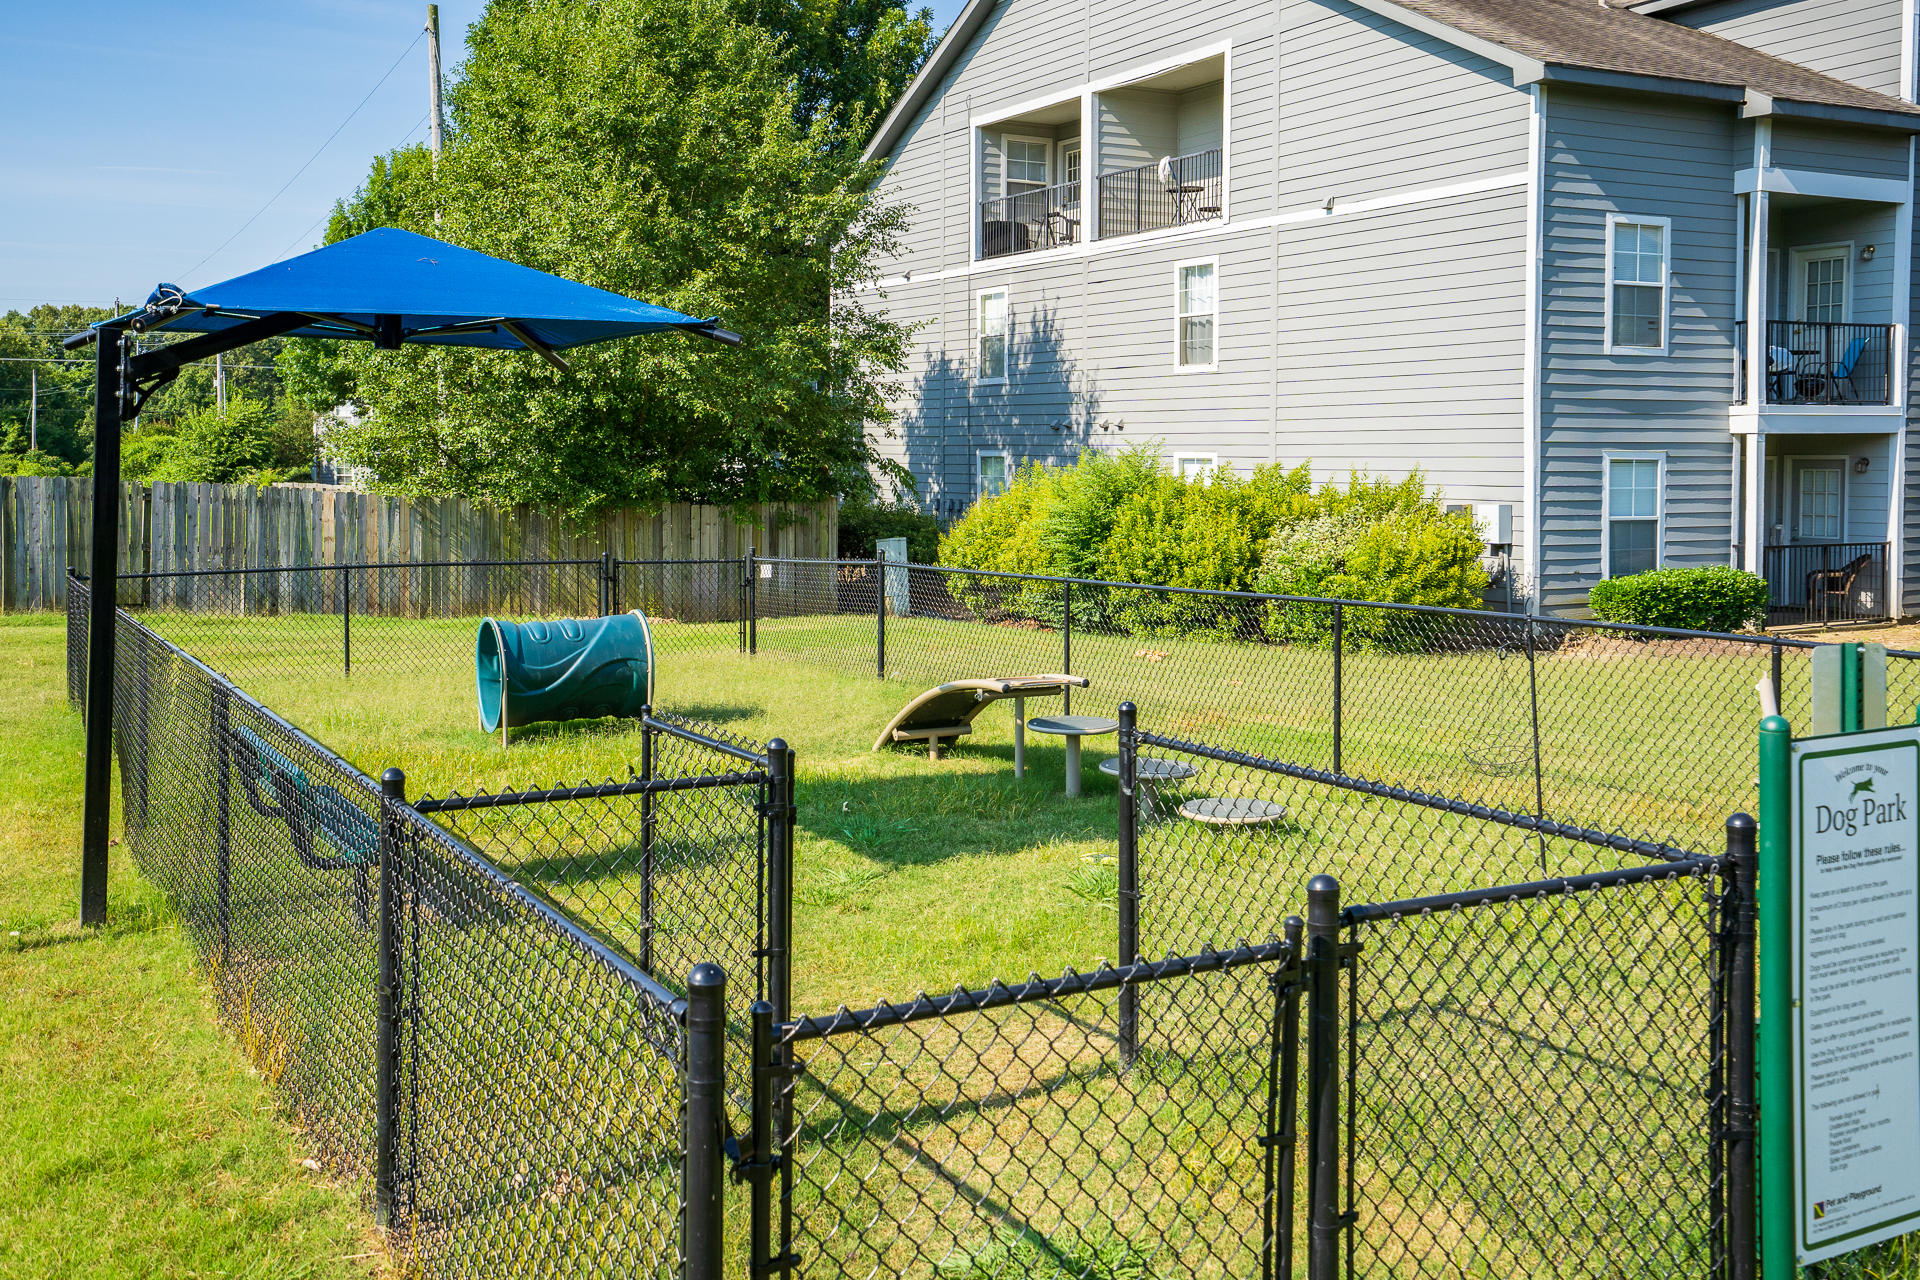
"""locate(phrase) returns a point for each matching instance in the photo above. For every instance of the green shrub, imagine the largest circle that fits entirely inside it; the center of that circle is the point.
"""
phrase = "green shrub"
(1716, 598)
(1373, 540)
(863, 522)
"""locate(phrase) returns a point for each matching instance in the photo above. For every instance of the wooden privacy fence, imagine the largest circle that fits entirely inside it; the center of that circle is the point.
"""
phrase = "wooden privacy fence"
(46, 525)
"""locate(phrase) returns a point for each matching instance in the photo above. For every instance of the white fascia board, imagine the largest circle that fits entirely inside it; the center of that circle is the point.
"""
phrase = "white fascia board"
(1814, 182)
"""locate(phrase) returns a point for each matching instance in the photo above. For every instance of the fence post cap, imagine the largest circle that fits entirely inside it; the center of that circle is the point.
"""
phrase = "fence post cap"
(706, 976)
(394, 783)
(1741, 822)
(776, 745)
(1775, 724)
(1322, 885)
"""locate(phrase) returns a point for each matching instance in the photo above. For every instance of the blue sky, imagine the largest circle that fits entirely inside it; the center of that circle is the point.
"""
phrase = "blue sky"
(145, 136)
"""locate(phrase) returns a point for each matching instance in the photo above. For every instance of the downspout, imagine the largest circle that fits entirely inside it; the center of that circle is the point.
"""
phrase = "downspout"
(1531, 429)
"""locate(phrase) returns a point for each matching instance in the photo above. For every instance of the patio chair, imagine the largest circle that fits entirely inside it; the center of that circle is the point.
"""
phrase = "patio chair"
(1830, 382)
(1824, 586)
(1184, 196)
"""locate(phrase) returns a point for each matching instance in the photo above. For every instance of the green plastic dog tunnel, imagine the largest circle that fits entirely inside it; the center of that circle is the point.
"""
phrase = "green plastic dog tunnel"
(566, 669)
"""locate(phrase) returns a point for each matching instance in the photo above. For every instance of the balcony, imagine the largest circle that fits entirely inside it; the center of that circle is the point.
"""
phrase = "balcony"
(1046, 218)
(1818, 363)
(1173, 191)
(1825, 582)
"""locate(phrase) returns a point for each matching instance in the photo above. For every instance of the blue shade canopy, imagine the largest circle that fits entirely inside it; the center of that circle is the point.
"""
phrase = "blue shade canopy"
(392, 286)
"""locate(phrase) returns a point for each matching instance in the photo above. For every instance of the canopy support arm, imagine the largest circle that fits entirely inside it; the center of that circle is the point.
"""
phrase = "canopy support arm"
(172, 358)
(532, 343)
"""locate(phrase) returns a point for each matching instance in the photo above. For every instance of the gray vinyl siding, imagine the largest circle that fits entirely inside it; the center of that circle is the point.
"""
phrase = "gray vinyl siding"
(1371, 107)
(1199, 123)
(1859, 153)
(1401, 340)
(1854, 40)
(1859, 225)
(1607, 154)
(1137, 126)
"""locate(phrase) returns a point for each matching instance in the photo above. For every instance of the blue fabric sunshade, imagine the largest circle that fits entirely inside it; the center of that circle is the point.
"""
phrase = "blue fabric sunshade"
(392, 286)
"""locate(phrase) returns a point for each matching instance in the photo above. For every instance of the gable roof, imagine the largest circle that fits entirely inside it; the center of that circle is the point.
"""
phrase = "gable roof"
(1610, 40)
(1569, 41)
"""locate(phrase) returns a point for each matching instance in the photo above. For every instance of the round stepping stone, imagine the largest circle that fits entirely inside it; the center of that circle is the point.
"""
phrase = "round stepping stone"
(1151, 769)
(1233, 811)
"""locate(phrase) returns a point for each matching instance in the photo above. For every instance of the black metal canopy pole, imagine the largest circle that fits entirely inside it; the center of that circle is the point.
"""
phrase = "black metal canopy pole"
(102, 594)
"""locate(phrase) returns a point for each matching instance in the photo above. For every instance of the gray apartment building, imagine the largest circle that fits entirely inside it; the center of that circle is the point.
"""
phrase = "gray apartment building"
(1632, 279)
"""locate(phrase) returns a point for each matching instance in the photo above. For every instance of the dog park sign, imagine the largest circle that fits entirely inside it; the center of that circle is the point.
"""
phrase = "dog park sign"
(1850, 999)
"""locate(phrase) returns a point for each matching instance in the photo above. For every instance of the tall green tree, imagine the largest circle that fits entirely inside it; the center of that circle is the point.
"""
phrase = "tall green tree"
(660, 149)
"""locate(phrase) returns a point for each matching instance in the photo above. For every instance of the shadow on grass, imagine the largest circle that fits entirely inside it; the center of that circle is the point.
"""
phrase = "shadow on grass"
(945, 810)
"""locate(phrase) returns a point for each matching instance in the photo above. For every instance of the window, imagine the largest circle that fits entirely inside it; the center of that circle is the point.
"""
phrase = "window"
(1194, 466)
(993, 336)
(1637, 284)
(1631, 504)
(1819, 504)
(1823, 285)
(1026, 164)
(993, 470)
(1195, 309)
(1070, 162)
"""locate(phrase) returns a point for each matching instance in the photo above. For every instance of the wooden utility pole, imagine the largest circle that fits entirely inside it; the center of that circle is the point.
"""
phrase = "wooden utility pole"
(435, 122)
(220, 382)
(33, 411)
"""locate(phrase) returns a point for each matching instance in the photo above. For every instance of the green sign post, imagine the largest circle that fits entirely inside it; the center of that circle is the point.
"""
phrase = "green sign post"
(1839, 979)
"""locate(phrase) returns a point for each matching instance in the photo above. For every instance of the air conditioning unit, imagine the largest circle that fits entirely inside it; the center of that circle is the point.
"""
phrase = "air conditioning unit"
(1495, 520)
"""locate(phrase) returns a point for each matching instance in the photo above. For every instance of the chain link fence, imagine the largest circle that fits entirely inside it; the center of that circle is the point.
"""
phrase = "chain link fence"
(513, 1089)
(1642, 731)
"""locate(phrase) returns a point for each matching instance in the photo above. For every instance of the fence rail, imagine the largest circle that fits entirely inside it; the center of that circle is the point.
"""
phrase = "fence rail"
(1822, 362)
(46, 526)
(1044, 219)
(1171, 192)
(1826, 582)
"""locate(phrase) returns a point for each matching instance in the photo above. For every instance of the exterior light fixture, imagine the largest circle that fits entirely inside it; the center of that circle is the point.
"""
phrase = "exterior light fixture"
(1866, 254)
(1862, 464)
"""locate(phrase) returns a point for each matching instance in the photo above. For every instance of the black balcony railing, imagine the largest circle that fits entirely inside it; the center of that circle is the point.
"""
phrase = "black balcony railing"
(1819, 362)
(1826, 582)
(1169, 192)
(1044, 218)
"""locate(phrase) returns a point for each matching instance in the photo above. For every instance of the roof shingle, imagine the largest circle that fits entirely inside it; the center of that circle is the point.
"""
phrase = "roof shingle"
(1593, 35)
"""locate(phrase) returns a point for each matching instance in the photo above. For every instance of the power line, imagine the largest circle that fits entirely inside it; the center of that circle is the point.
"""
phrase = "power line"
(310, 159)
(312, 226)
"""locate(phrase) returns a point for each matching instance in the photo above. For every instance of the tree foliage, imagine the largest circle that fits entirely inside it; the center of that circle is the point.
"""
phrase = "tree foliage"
(30, 343)
(662, 149)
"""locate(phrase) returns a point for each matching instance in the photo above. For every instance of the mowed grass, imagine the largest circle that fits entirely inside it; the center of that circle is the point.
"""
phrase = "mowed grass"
(912, 874)
(135, 1140)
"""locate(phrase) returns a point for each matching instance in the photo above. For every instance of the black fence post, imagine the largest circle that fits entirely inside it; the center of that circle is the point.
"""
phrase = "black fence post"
(1339, 634)
(1773, 673)
(649, 745)
(346, 620)
(386, 1048)
(703, 1185)
(606, 585)
(762, 1157)
(780, 816)
(1741, 1151)
(1323, 1078)
(221, 733)
(753, 600)
(1533, 705)
(613, 584)
(1283, 1107)
(1066, 645)
(880, 617)
(1129, 894)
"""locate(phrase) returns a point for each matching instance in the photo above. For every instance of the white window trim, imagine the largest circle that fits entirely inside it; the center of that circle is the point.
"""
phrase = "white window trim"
(1666, 287)
(1843, 463)
(1180, 456)
(979, 332)
(1047, 165)
(1797, 257)
(1213, 365)
(1074, 146)
(980, 455)
(1607, 459)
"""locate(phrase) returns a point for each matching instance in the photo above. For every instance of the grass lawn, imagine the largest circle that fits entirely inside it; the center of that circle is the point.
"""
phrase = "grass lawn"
(914, 875)
(134, 1138)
